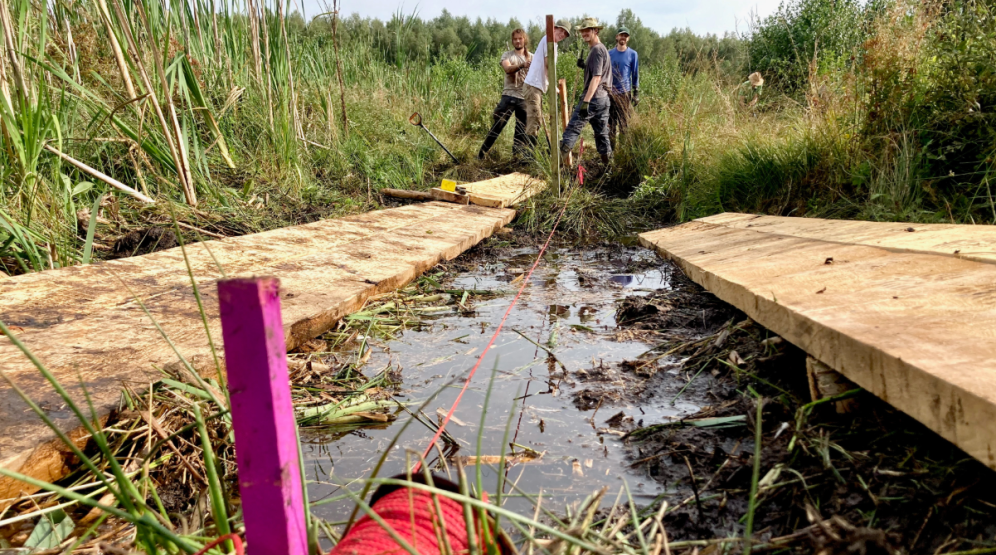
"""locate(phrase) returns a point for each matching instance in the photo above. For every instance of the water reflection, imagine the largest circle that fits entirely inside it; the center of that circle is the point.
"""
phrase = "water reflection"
(563, 451)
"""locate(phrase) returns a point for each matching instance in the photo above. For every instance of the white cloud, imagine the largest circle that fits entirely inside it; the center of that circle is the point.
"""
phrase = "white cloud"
(702, 16)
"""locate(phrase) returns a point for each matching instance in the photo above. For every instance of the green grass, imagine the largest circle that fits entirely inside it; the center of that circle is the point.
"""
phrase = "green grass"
(242, 117)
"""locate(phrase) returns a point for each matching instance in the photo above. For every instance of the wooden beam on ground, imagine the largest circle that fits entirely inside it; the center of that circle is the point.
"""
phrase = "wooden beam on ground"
(898, 312)
(449, 196)
(402, 193)
(85, 322)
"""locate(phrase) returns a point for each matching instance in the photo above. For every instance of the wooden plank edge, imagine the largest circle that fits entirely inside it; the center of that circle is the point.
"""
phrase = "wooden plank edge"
(733, 220)
(949, 407)
(50, 460)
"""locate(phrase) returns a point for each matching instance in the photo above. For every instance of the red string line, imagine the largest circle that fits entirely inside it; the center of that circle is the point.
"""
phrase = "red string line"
(236, 540)
(480, 359)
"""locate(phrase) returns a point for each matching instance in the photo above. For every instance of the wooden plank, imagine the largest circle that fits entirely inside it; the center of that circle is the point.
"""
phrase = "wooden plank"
(504, 191)
(263, 415)
(85, 323)
(449, 196)
(917, 328)
(974, 242)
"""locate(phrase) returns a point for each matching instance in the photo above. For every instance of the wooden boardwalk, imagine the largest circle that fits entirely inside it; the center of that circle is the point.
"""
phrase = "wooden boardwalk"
(906, 311)
(85, 322)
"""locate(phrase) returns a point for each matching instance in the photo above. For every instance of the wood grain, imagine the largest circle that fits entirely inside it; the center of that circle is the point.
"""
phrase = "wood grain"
(902, 317)
(504, 191)
(86, 324)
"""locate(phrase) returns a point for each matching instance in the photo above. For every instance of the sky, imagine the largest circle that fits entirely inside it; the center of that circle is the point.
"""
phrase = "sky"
(702, 16)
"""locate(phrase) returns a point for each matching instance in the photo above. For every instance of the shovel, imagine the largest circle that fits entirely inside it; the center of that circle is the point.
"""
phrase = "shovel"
(416, 120)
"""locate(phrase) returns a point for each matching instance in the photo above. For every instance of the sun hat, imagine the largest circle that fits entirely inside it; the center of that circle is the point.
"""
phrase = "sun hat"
(565, 25)
(623, 31)
(755, 79)
(589, 23)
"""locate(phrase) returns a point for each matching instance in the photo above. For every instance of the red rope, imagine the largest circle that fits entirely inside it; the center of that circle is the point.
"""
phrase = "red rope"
(480, 359)
(411, 514)
(236, 541)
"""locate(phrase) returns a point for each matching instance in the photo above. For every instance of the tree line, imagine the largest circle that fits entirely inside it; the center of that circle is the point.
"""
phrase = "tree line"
(405, 38)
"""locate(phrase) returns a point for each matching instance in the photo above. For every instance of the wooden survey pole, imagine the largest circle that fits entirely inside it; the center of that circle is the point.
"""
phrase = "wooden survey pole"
(562, 91)
(263, 417)
(551, 92)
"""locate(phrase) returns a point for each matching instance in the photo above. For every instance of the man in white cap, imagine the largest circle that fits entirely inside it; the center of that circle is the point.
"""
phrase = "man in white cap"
(594, 105)
(537, 81)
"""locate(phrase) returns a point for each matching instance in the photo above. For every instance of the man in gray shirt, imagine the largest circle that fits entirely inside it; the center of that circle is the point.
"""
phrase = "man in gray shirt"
(594, 105)
(515, 63)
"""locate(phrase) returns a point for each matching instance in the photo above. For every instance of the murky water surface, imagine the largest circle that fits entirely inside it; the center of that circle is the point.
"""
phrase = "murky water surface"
(569, 307)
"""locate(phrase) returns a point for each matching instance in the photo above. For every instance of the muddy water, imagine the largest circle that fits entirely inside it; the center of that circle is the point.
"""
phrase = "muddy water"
(569, 307)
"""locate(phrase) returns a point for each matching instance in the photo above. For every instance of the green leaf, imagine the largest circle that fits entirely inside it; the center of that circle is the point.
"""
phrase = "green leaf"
(52, 529)
(82, 187)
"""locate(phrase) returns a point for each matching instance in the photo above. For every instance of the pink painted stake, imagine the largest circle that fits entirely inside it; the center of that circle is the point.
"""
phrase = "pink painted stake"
(263, 416)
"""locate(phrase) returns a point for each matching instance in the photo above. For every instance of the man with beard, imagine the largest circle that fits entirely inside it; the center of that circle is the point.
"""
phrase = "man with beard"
(625, 84)
(515, 63)
(594, 105)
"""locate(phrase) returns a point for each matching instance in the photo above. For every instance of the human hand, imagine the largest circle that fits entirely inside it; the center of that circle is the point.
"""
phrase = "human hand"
(635, 97)
(583, 110)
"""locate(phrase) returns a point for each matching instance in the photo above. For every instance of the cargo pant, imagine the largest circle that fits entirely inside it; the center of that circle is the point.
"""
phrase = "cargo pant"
(507, 106)
(598, 116)
(534, 109)
(619, 114)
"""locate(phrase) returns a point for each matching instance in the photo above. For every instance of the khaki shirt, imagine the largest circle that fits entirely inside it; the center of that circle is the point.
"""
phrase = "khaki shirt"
(513, 81)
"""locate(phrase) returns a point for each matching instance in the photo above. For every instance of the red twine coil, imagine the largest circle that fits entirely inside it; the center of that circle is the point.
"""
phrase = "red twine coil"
(412, 515)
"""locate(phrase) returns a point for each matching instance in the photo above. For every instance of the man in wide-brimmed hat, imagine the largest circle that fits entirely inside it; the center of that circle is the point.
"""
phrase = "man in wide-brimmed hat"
(537, 81)
(625, 84)
(594, 105)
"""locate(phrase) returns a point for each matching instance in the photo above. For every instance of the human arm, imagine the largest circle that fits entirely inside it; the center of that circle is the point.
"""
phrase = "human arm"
(596, 80)
(511, 68)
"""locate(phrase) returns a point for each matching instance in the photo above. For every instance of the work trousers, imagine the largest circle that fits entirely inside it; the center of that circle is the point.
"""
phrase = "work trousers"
(507, 106)
(598, 117)
(534, 109)
(619, 114)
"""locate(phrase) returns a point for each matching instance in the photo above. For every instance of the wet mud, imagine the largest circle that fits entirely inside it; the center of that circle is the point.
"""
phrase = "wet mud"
(614, 366)
(870, 480)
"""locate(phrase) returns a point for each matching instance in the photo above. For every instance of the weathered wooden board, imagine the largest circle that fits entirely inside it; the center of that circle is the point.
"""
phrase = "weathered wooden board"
(504, 191)
(909, 322)
(974, 242)
(449, 196)
(85, 322)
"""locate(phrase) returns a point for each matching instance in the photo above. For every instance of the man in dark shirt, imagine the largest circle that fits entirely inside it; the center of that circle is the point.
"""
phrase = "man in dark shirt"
(594, 105)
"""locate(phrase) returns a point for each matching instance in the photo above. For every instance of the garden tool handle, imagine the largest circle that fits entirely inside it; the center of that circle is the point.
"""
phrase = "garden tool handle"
(416, 119)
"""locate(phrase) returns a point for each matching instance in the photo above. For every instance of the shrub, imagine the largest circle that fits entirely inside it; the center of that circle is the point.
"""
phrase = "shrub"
(784, 46)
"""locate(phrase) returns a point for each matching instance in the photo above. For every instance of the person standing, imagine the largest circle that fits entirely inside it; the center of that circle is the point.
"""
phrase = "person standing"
(534, 87)
(594, 105)
(625, 84)
(515, 64)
